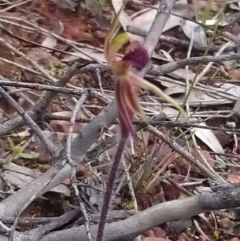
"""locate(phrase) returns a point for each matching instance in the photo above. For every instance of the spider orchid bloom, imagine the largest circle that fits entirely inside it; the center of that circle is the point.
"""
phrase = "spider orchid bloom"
(127, 82)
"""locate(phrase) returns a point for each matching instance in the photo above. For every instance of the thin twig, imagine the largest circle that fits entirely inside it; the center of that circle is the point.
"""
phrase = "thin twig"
(48, 33)
(131, 190)
(98, 73)
(4, 229)
(73, 164)
(170, 67)
(130, 185)
(200, 230)
(47, 143)
(205, 70)
(5, 82)
(204, 159)
(41, 104)
(34, 63)
(20, 66)
(14, 6)
(190, 124)
(183, 153)
(179, 187)
(187, 79)
(175, 41)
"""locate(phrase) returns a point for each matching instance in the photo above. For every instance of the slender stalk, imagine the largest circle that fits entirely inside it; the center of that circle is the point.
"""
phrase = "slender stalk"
(109, 188)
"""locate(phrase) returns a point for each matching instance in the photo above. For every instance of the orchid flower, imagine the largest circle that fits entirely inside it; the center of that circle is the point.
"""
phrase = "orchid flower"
(127, 82)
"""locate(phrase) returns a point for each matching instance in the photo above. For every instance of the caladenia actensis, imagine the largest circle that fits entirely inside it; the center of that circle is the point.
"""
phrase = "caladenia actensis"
(127, 83)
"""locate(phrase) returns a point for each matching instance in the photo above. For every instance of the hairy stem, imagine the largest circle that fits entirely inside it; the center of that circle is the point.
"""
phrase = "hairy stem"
(109, 188)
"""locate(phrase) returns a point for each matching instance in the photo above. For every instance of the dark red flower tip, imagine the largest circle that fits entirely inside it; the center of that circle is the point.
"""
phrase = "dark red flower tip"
(138, 57)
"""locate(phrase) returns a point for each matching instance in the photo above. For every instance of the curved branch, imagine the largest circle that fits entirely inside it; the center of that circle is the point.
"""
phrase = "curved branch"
(80, 146)
(221, 197)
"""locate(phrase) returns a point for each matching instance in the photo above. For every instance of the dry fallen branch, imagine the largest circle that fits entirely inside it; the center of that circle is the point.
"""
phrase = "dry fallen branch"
(168, 68)
(48, 144)
(73, 165)
(218, 198)
(156, 121)
(42, 103)
(80, 145)
(224, 196)
(175, 41)
(176, 147)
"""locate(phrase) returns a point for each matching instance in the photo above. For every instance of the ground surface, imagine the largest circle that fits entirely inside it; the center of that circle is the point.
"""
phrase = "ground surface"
(158, 173)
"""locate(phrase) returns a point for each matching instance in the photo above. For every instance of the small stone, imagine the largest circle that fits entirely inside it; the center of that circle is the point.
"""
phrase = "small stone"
(225, 223)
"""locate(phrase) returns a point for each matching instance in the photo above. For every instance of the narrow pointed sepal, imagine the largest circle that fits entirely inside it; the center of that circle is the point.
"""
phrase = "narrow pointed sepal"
(142, 83)
(125, 115)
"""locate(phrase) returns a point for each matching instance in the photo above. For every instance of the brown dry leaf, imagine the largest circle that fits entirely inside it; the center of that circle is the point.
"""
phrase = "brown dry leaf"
(205, 155)
(154, 239)
(235, 239)
(184, 237)
(163, 154)
(201, 5)
(6, 108)
(236, 229)
(223, 137)
(81, 171)
(76, 26)
(171, 192)
(63, 126)
(235, 29)
(155, 234)
(20, 176)
(144, 202)
(234, 73)
(124, 19)
(74, 29)
(8, 70)
(65, 4)
(225, 223)
(179, 226)
(40, 56)
(182, 165)
(143, 20)
(233, 178)
(160, 150)
(58, 139)
(32, 95)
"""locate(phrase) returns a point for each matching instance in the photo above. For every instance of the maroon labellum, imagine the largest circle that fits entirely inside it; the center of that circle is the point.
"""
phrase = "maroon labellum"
(138, 57)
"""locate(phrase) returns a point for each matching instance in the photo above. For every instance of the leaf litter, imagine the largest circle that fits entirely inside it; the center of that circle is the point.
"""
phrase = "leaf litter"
(156, 170)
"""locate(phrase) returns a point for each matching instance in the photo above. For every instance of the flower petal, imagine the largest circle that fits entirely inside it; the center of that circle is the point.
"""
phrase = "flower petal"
(120, 69)
(112, 31)
(142, 83)
(124, 113)
(131, 99)
(116, 44)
